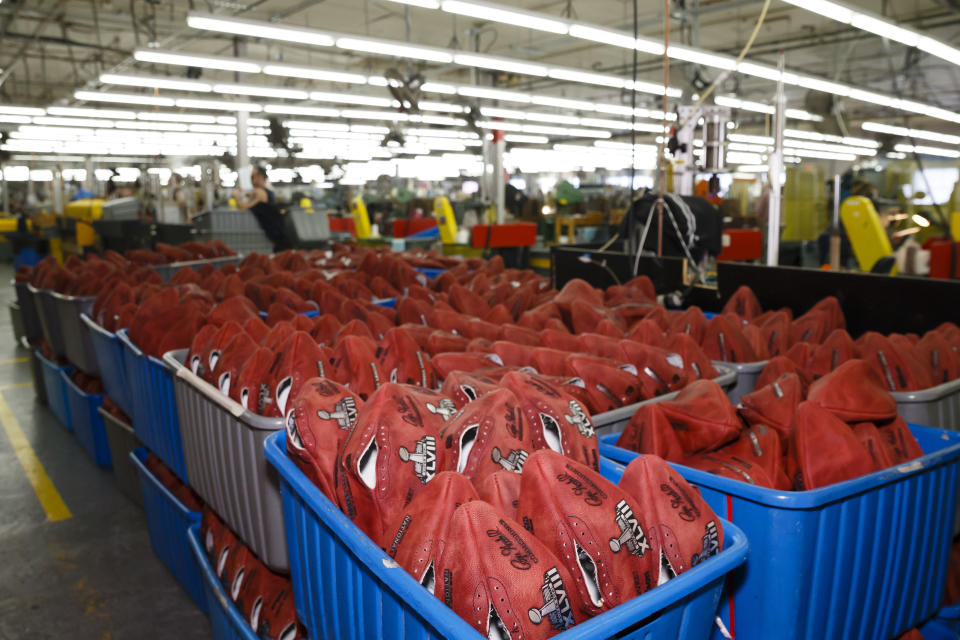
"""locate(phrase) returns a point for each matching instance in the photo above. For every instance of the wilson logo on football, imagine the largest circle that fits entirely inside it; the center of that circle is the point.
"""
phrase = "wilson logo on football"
(424, 459)
(344, 413)
(631, 537)
(556, 604)
(512, 462)
(444, 408)
(711, 544)
(293, 434)
(579, 419)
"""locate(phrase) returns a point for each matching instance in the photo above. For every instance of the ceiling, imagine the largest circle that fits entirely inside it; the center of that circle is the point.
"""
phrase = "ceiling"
(57, 46)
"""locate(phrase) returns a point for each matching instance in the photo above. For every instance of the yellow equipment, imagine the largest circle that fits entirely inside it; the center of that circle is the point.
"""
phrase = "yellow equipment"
(361, 219)
(306, 204)
(85, 211)
(446, 221)
(955, 226)
(867, 236)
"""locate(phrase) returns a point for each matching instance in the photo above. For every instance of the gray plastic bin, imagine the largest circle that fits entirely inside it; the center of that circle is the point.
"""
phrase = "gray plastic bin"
(616, 421)
(28, 311)
(218, 221)
(223, 451)
(16, 321)
(937, 406)
(122, 440)
(49, 320)
(307, 229)
(747, 375)
(77, 344)
(167, 271)
(39, 387)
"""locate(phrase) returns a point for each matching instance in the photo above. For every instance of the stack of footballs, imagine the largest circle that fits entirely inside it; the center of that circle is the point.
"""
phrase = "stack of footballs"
(787, 434)
(817, 343)
(491, 498)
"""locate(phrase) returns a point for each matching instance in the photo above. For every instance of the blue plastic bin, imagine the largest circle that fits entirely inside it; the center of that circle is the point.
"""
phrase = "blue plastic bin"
(167, 521)
(936, 630)
(345, 586)
(226, 622)
(864, 559)
(430, 273)
(110, 362)
(87, 423)
(949, 618)
(153, 405)
(56, 389)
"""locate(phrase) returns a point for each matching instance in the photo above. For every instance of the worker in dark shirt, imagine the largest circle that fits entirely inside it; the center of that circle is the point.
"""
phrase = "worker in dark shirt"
(263, 204)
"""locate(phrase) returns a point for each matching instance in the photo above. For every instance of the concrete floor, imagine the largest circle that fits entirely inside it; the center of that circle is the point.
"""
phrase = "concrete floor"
(92, 576)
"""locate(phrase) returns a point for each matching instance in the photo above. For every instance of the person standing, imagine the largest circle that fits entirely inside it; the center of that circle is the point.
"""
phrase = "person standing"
(263, 204)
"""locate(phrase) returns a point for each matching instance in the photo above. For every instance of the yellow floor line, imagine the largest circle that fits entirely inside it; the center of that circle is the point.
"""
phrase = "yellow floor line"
(14, 361)
(16, 385)
(48, 495)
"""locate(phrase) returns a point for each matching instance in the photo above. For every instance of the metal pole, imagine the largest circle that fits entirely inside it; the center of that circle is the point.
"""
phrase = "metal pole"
(835, 230)
(6, 191)
(776, 168)
(499, 187)
(89, 181)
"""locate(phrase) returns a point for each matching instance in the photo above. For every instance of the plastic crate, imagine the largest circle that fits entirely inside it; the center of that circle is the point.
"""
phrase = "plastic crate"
(86, 421)
(949, 618)
(936, 630)
(223, 447)
(616, 421)
(16, 321)
(109, 354)
(39, 386)
(28, 311)
(864, 559)
(219, 221)
(345, 586)
(56, 389)
(49, 320)
(77, 345)
(153, 405)
(226, 622)
(937, 406)
(167, 271)
(306, 228)
(122, 441)
(430, 273)
(747, 375)
(167, 521)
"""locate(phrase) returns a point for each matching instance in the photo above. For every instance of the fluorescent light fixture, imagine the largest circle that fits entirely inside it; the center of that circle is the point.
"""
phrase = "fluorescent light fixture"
(930, 151)
(398, 49)
(440, 106)
(505, 15)
(255, 90)
(318, 126)
(212, 128)
(153, 82)
(344, 98)
(21, 111)
(439, 120)
(615, 38)
(588, 77)
(435, 87)
(501, 64)
(800, 114)
(222, 63)
(736, 103)
(123, 98)
(176, 117)
(759, 70)
(218, 105)
(885, 29)
(310, 73)
(258, 29)
(920, 221)
(741, 137)
(562, 103)
(152, 126)
(698, 56)
(72, 122)
(818, 84)
(11, 119)
(423, 4)
(920, 134)
(361, 114)
(294, 110)
(80, 112)
(493, 94)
